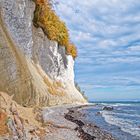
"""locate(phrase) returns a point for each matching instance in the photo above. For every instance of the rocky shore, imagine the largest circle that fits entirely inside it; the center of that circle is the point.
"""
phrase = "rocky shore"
(86, 131)
(66, 123)
(49, 123)
(18, 122)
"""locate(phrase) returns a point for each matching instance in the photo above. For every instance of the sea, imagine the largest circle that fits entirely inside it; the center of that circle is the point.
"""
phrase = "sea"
(123, 122)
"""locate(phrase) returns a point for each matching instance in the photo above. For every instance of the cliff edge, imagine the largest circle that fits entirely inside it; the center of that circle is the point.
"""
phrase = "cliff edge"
(33, 68)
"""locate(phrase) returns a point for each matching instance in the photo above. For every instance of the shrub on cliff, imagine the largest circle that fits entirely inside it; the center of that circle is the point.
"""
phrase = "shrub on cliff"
(71, 49)
(53, 27)
(82, 92)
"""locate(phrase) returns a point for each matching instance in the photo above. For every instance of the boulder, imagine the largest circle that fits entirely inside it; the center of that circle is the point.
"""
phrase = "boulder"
(108, 108)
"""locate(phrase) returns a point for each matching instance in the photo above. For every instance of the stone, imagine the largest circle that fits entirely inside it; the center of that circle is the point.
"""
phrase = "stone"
(108, 108)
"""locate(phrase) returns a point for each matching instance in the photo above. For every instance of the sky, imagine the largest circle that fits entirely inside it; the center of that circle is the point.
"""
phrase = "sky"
(107, 36)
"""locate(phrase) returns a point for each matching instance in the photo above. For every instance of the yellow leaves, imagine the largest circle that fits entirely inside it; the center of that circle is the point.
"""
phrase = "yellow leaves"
(71, 50)
(39, 1)
(52, 26)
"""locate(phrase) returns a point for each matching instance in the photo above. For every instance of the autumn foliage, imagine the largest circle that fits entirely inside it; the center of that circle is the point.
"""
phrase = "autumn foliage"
(55, 29)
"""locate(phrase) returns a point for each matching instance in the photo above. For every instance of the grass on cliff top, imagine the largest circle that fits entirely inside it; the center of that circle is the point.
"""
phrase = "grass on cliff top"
(55, 29)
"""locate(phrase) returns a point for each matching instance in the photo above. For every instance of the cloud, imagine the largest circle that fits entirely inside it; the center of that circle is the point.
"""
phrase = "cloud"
(107, 35)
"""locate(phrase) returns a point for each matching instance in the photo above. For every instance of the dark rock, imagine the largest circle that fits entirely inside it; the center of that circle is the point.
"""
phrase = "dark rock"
(108, 108)
(71, 118)
(87, 131)
(83, 135)
(98, 113)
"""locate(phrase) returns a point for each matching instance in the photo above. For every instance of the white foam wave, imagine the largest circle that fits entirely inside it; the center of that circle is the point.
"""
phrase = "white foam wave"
(126, 114)
(125, 125)
(121, 104)
(116, 104)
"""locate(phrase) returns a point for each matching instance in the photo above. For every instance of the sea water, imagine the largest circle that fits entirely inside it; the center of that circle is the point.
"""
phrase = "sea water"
(123, 122)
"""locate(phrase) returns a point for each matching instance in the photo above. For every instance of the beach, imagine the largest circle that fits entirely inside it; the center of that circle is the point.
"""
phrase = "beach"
(66, 123)
(91, 121)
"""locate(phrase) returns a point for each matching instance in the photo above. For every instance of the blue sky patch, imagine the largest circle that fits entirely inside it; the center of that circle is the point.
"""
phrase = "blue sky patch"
(107, 35)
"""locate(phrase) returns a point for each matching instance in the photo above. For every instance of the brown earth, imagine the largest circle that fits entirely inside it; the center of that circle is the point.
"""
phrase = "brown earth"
(19, 122)
(3, 126)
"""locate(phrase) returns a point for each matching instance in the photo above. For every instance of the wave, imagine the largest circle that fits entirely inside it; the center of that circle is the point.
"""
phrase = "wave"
(121, 104)
(125, 125)
(116, 104)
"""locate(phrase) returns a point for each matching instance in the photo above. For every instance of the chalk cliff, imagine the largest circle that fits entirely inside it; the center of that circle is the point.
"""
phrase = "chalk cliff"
(36, 70)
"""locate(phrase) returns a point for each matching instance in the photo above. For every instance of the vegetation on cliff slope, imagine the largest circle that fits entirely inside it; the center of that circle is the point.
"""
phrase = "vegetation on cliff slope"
(55, 29)
(81, 91)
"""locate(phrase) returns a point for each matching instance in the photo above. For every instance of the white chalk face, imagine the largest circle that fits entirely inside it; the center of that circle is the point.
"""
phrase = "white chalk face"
(32, 67)
(18, 18)
(108, 39)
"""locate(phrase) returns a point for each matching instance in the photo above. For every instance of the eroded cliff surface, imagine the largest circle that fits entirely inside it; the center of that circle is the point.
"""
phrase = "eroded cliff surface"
(33, 68)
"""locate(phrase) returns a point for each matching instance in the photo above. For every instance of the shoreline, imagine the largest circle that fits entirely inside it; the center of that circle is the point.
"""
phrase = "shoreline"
(64, 122)
(86, 131)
